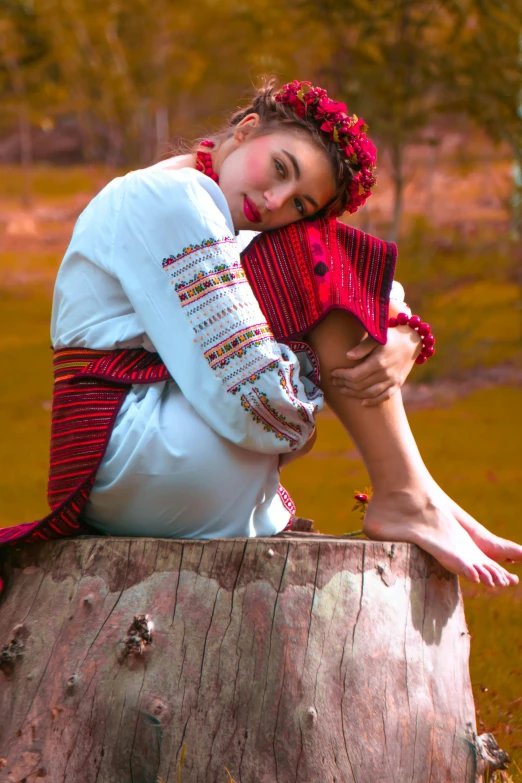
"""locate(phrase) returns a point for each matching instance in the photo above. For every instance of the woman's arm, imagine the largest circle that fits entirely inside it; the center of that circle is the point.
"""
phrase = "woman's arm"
(175, 255)
(405, 505)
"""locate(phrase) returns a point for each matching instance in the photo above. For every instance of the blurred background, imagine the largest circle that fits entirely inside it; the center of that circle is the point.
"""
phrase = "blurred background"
(91, 89)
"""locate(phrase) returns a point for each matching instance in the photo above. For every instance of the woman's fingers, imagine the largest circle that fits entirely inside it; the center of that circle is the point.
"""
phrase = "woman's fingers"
(366, 346)
(366, 374)
(373, 395)
(377, 364)
(373, 389)
(389, 392)
(364, 383)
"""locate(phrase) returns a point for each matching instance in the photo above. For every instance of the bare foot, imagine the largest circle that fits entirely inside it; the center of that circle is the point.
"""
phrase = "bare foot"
(427, 523)
(498, 549)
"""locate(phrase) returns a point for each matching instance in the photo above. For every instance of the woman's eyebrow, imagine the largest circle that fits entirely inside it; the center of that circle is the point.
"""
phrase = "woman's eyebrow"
(297, 172)
(295, 164)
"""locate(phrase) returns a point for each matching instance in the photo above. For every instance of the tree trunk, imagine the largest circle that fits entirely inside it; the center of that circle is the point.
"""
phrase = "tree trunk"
(24, 124)
(296, 659)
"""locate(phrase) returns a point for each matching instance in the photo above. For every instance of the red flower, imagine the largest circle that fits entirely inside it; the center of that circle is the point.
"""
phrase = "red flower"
(327, 106)
(348, 132)
(327, 126)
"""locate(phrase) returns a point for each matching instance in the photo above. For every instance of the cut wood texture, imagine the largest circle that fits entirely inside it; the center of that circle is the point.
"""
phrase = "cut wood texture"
(295, 659)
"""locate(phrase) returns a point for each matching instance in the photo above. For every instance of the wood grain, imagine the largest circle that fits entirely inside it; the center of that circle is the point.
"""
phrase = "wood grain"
(300, 659)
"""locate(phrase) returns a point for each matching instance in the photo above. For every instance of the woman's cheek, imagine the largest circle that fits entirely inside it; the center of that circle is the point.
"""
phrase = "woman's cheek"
(259, 162)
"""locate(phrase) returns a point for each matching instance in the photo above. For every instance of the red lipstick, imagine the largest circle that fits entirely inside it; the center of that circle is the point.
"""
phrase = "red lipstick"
(251, 211)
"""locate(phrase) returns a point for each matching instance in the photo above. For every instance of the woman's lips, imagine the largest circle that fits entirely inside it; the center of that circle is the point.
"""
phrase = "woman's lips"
(251, 211)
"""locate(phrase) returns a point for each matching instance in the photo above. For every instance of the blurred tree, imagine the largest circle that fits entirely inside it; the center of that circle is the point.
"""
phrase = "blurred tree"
(136, 73)
(486, 81)
(11, 47)
(132, 76)
(92, 66)
(487, 85)
(385, 60)
(26, 80)
(402, 64)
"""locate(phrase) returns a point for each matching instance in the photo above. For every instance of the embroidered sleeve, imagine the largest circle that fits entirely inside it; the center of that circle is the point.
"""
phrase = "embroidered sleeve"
(176, 257)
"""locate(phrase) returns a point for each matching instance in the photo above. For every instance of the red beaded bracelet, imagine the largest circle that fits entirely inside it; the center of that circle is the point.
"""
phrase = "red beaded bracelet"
(414, 322)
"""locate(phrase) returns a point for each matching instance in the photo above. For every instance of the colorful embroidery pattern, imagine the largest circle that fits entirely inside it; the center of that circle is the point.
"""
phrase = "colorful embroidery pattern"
(262, 414)
(236, 345)
(283, 421)
(235, 339)
(253, 378)
(286, 383)
(228, 325)
(313, 372)
(191, 248)
(222, 275)
(286, 499)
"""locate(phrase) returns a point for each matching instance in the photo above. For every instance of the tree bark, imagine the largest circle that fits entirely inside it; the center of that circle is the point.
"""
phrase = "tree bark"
(294, 659)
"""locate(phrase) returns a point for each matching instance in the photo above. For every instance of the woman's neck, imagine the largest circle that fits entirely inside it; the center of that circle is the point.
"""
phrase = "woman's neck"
(187, 161)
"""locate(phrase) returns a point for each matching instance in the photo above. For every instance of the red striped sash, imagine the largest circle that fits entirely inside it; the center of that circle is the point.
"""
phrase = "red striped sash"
(89, 389)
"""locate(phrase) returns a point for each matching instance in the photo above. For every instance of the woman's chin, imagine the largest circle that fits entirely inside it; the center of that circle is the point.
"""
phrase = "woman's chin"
(242, 224)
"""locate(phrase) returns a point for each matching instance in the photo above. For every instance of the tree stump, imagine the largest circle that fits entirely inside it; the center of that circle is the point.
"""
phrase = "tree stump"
(295, 659)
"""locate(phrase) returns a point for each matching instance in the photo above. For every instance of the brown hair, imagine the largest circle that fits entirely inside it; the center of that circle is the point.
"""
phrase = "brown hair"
(280, 116)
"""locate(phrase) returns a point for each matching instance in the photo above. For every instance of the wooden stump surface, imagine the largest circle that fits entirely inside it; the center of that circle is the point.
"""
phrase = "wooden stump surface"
(298, 659)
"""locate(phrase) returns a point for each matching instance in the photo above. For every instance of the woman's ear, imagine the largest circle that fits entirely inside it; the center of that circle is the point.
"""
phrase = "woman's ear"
(245, 127)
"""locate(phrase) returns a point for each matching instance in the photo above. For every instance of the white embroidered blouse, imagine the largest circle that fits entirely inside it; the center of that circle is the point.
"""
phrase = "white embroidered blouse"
(153, 262)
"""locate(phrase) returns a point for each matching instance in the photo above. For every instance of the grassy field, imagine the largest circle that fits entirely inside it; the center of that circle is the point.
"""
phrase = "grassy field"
(465, 287)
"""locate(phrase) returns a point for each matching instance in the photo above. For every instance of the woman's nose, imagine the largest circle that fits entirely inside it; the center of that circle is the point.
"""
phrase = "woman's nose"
(277, 197)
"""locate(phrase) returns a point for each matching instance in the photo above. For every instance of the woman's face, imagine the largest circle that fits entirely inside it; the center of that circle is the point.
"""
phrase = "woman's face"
(273, 180)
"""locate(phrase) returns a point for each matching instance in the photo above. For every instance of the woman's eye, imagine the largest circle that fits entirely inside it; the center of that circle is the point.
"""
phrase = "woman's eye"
(300, 206)
(280, 168)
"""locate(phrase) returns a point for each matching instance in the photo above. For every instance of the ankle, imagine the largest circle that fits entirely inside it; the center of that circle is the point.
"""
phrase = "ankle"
(407, 500)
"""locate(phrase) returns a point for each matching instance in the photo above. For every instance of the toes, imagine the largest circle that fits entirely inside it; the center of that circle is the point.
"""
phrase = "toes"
(485, 576)
(509, 579)
(498, 574)
(472, 574)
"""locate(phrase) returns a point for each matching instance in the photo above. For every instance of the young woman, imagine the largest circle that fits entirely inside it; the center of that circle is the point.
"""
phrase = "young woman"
(193, 445)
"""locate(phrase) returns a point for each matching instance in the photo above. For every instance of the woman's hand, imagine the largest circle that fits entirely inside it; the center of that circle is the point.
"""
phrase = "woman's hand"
(378, 371)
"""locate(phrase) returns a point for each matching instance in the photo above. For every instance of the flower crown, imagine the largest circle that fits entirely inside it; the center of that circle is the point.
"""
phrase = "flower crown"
(348, 132)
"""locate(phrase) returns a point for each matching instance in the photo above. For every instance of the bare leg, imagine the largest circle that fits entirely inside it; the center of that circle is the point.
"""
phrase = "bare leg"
(407, 505)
